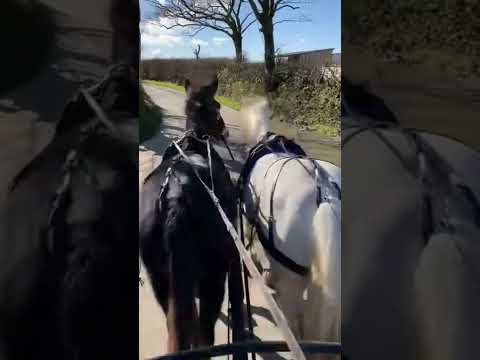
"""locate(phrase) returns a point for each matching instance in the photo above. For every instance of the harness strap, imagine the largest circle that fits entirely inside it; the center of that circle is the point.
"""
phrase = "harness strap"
(268, 242)
(433, 173)
(209, 152)
(245, 276)
(60, 199)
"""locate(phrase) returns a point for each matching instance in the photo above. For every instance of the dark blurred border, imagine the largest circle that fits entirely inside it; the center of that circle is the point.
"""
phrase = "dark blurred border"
(50, 49)
(419, 62)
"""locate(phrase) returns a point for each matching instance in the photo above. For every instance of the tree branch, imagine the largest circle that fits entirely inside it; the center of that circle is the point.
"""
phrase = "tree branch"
(255, 9)
(225, 16)
(249, 24)
(286, 6)
(284, 21)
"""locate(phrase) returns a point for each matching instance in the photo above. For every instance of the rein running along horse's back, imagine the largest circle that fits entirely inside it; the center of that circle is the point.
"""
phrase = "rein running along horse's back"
(67, 258)
(185, 246)
(411, 249)
(293, 204)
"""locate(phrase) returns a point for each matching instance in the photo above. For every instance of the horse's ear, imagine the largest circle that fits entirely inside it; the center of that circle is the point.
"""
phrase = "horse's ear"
(187, 84)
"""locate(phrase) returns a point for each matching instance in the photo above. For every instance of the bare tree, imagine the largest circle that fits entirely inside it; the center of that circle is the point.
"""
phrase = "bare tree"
(196, 52)
(265, 11)
(224, 16)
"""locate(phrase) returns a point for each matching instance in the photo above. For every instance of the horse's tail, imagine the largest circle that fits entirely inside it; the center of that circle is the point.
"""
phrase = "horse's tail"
(322, 315)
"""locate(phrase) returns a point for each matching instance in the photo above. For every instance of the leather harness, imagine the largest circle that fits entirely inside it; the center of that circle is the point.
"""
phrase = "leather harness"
(433, 172)
(273, 143)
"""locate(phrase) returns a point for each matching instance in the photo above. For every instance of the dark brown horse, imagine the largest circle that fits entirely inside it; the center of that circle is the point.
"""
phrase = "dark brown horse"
(185, 245)
(67, 260)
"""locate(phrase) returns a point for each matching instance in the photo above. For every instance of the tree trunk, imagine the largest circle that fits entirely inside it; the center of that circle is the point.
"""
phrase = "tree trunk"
(237, 41)
(267, 30)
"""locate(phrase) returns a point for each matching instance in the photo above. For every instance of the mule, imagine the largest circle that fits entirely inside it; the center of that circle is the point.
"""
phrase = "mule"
(67, 257)
(293, 205)
(410, 238)
(185, 246)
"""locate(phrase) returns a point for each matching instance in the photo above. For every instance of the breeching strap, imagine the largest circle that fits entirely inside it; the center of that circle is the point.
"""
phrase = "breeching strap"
(277, 314)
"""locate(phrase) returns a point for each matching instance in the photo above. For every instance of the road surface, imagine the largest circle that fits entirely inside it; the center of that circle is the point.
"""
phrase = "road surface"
(152, 328)
(22, 138)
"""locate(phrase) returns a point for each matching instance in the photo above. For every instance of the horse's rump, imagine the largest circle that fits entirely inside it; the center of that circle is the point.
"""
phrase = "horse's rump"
(321, 316)
(291, 186)
(404, 185)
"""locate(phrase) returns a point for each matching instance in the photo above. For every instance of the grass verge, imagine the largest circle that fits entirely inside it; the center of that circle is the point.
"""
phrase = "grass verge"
(235, 105)
(151, 117)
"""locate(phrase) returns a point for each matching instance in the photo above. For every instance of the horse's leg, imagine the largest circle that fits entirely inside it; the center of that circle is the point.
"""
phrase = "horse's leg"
(160, 285)
(289, 288)
(181, 306)
(236, 295)
(211, 294)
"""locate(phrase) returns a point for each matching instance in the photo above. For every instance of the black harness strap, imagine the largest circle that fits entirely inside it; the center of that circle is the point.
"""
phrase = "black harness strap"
(268, 241)
(431, 170)
(266, 146)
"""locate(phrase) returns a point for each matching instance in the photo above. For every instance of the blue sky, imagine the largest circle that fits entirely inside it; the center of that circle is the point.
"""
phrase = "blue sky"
(323, 31)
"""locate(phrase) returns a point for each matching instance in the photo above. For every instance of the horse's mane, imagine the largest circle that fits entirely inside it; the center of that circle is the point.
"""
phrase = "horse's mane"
(358, 100)
(255, 115)
(268, 144)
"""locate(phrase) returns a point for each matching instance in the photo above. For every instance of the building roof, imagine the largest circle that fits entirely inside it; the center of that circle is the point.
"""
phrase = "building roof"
(329, 51)
(337, 58)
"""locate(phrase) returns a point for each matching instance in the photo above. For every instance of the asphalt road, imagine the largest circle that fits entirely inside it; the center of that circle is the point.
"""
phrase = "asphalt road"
(152, 327)
(22, 138)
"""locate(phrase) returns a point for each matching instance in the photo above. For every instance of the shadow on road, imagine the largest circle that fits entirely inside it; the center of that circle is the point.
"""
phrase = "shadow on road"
(160, 142)
(270, 356)
(262, 312)
(182, 118)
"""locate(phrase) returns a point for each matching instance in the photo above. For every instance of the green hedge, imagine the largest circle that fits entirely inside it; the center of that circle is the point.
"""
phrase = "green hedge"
(306, 98)
(441, 34)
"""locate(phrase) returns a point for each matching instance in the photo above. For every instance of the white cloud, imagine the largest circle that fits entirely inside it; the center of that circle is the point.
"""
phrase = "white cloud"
(219, 40)
(154, 35)
(162, 34)
(161, 40)
(199, 42)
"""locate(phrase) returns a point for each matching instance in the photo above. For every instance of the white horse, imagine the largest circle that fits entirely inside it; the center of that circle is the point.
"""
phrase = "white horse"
(410, 246)
(305, 229)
